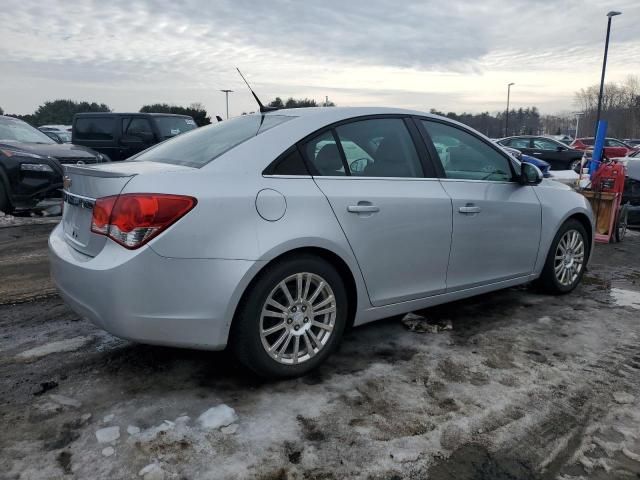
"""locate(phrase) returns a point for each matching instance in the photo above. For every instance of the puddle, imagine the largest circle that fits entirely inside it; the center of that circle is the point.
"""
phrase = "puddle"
(626, 298)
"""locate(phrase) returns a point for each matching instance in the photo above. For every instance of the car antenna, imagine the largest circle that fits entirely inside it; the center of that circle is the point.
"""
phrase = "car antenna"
(263, 109)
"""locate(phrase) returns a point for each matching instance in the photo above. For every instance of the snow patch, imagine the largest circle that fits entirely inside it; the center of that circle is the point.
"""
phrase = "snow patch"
(133, 430)
(108, 434)
(107, 452)
(623, 397)
(218, 416)
(68, 345)
(153, 471)
(626, 298)
(66, 401)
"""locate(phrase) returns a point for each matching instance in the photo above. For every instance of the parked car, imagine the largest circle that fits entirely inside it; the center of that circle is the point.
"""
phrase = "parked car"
(612, 146)
(121, 135)
(55, 128)
(246, 233)
(631, 193)
(30, 164)
(566, 139)
(58, 136)
(541, 164)
(557, 154)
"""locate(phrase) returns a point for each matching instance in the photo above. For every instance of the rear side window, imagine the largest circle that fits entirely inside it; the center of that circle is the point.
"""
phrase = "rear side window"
(379, 148)
(172, 126)
(202, 145)
(290, 164)
(94, 128)
(322, 151)
(516, 143)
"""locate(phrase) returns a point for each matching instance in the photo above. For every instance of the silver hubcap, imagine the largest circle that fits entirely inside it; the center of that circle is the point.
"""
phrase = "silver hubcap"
(569, 258)
(298, 318)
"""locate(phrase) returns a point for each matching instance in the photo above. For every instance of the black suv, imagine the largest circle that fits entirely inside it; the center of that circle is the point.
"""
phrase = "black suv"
(559, 155)
(121, 135)
(31, 164)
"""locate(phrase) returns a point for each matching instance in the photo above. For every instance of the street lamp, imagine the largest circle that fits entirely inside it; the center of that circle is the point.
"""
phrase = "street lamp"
(610, 15)
(506, 126)
(578, 115)
(226, 93)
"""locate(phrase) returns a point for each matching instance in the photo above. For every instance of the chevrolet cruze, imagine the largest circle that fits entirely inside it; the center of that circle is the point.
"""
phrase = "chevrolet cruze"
(271, 233)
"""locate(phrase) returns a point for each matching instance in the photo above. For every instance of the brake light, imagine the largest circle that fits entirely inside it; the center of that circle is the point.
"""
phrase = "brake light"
(132, 219)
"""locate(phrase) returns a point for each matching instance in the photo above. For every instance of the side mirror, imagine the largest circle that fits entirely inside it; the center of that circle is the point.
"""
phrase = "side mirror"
(530, 174)
(560, 148)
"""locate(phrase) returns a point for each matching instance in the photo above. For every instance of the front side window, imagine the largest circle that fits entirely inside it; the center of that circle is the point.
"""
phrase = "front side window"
(516, 142)
(172, 126)
(94, 128)
(610, 142)
(200, 146)
(139, 127)
(544, 144)
(464, 156)
(379, 148)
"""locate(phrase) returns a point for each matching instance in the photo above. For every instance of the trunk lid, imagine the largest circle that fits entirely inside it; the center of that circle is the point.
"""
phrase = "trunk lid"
(84, 184)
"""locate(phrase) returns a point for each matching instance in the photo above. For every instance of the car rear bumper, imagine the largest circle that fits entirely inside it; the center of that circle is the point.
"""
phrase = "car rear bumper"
(142, 296)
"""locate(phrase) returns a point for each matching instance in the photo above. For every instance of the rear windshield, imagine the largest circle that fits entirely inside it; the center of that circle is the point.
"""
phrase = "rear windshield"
(200, 146)
(172, 126)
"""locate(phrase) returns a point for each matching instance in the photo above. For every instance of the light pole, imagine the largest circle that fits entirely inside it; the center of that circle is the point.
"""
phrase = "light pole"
(506, 126)
(226, 93)
(578, 115)
(610, 15)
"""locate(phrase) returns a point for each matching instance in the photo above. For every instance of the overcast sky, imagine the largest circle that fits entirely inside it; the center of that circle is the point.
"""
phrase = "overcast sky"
(452, 55)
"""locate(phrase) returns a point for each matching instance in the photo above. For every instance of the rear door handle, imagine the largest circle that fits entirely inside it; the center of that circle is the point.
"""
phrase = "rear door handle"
(537, 153)
(469, 208)
(363, 209)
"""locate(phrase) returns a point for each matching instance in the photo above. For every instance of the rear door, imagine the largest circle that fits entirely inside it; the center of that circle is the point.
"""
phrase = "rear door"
(614, 148)
(550, 151)
(396, 219)
(496, 221)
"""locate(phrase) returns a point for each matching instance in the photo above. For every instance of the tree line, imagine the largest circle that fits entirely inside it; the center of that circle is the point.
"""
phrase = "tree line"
(620, 107)
(61, 112)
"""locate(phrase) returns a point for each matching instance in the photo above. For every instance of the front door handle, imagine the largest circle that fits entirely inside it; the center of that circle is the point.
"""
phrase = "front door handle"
(537, 153)
(363, 209)
(469, 208)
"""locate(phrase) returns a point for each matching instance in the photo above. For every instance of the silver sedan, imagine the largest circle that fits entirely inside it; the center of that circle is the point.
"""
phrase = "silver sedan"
(272, 233)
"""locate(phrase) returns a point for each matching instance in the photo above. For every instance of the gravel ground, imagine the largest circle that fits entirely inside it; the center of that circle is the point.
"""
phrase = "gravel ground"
(510, 385)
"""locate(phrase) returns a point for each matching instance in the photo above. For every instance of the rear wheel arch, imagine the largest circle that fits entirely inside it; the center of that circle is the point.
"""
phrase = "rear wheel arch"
(322, 253)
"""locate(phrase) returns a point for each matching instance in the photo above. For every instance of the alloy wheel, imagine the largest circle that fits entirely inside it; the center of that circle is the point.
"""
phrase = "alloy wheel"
(569, 257)
(298, 318)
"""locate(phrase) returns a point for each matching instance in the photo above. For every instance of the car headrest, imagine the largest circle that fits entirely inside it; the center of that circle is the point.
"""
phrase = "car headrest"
(390, 151)
(328, 159)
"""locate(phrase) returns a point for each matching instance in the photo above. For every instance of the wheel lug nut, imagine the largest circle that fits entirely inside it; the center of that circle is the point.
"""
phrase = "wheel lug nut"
(293, 309)
(304, 309)
(297, 327)
(289, 321)
(305, 320)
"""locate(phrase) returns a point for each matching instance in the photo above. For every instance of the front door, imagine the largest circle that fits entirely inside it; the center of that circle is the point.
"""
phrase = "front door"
(397, 222)
(496, 221)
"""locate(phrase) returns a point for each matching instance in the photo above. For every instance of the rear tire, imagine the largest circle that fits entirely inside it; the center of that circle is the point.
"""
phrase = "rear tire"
(281, 333)
(566, 260)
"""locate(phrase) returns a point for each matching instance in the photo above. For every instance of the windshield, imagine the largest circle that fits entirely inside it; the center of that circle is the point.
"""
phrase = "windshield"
(19, 131)
(172, 126)
(200, 146)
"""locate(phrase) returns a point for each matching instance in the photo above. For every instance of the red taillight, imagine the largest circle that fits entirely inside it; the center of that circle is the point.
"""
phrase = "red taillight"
(132, 219)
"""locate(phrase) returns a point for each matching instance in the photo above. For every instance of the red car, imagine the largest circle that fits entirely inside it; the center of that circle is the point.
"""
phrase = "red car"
(612, 147)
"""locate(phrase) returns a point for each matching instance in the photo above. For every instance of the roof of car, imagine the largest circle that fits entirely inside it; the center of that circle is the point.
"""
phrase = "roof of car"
(154, 114)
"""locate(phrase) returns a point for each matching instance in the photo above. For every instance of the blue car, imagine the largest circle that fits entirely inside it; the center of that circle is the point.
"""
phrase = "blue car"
(541, 164)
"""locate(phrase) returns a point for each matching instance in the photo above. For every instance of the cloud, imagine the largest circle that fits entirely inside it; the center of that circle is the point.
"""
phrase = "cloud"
(412, 52)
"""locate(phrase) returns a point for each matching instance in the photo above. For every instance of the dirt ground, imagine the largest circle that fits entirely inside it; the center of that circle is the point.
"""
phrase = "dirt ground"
(522, 386)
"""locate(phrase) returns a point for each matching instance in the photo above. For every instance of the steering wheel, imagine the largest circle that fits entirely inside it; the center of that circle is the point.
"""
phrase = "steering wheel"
(354, 167)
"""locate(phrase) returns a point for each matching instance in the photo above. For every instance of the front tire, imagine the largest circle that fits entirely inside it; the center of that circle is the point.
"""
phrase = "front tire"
(292, 318)
(566, 260)
(5, 206)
